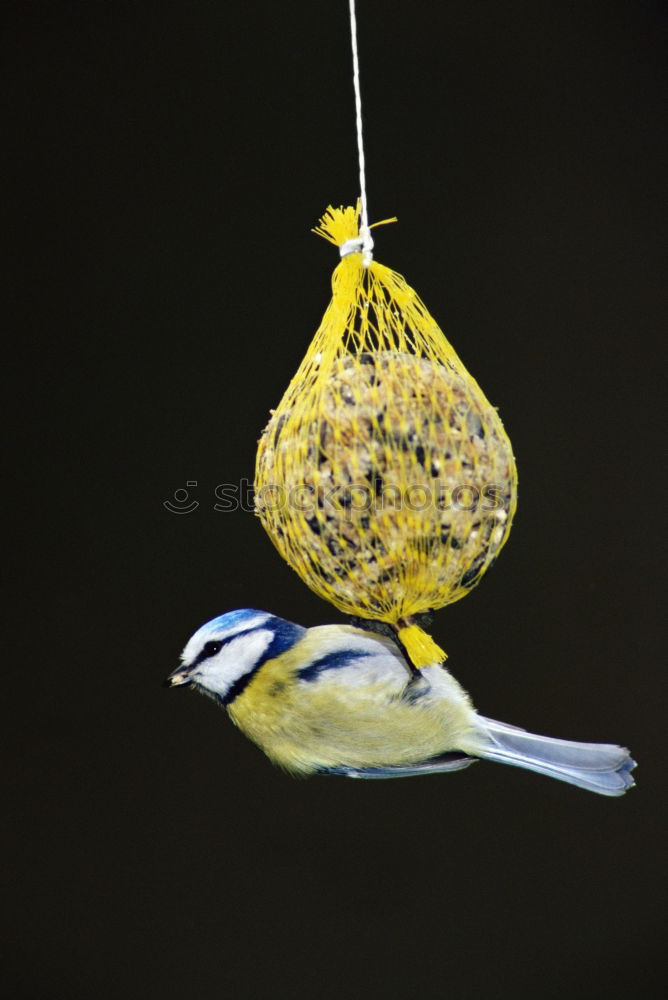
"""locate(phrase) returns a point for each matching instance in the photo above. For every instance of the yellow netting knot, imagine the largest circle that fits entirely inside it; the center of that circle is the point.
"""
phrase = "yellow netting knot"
(341, 226)
(421, 648)
(338, 225)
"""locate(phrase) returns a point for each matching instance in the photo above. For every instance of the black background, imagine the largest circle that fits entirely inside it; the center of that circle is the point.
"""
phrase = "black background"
(167, 162)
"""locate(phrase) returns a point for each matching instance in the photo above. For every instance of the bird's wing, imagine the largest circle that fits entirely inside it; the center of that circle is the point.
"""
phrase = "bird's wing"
(436, 765)
(348, 657)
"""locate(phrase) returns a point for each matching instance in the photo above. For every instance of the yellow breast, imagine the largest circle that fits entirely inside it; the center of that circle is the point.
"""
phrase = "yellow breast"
(307, 726)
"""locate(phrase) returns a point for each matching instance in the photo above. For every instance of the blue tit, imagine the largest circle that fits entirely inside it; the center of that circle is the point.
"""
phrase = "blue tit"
(336, 699)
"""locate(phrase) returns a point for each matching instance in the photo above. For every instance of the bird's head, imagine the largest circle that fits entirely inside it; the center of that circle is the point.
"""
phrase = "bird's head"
(222, 656)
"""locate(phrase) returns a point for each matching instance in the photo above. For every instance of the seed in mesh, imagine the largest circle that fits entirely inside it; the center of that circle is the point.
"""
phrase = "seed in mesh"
(407, 480)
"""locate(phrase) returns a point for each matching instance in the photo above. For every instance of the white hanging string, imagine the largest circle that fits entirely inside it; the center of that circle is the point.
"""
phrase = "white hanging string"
(364, 241)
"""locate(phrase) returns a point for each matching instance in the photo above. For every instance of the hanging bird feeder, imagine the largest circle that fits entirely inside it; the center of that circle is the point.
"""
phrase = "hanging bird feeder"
(384, 476)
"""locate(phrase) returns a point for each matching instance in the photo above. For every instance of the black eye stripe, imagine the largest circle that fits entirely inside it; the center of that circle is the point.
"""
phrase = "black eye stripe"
(214, 646)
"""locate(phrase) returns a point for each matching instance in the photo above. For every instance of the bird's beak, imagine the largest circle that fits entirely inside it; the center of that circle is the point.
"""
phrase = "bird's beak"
(177, 678)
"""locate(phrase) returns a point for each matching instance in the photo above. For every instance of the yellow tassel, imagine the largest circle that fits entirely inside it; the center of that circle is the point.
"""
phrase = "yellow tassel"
(421, 648)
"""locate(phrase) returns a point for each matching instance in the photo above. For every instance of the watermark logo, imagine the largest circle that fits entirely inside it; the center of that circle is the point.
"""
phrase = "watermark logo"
(349, 500)
(181, 502)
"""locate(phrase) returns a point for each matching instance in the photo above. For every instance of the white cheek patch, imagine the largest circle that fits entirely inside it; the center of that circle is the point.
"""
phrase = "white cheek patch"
(236, 659)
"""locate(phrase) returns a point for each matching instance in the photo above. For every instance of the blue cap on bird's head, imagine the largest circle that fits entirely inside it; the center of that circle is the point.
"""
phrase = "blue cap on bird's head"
(232, 621)
(224, 653)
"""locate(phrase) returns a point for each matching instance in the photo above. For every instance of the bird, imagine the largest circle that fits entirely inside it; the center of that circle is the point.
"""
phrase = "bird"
(341, 700)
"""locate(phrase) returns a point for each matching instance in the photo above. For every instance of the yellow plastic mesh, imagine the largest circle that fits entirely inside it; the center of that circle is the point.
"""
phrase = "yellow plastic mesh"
(384, 477)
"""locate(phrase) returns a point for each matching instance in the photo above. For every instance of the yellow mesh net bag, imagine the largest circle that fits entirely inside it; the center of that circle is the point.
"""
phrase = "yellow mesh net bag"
(384, 477)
